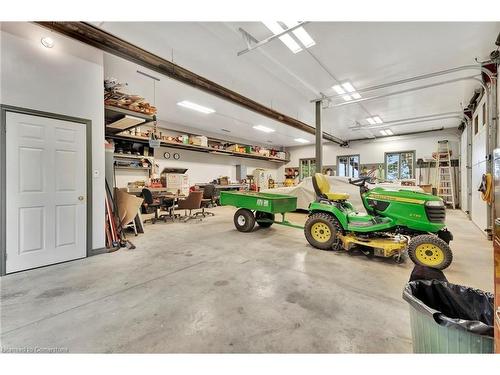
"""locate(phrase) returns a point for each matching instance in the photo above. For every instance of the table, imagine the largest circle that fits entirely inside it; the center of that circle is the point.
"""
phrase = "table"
(138, 191)
(169, 196)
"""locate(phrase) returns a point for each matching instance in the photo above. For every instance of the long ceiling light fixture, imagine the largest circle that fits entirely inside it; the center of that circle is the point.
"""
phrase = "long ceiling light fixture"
(374, 120)
(195, 107)
(276, 28)
(299, 32)
(347, 90)
(386, 132)
(263, 128)
(301, 140)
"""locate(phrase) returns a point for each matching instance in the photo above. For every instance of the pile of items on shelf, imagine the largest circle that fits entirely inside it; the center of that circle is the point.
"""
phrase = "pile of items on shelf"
(136, 103)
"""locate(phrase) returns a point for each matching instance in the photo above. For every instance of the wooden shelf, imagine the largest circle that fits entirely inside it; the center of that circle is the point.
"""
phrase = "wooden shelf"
(131, 156)
(113, 114)
(184, 146)
(133, 168)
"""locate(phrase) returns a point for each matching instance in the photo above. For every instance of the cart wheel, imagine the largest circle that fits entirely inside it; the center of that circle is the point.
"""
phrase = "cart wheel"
(244, 220)
(431, 251)
(259, 215)
(321, 230)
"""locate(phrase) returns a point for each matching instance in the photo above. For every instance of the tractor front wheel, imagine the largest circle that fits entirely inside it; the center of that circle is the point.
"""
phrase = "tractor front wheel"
(321, 230)
(244, 220)
(431, 251)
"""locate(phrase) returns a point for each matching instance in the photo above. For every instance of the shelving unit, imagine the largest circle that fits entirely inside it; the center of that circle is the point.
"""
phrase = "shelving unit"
(190, 147)
(133, 159)
(114, 114)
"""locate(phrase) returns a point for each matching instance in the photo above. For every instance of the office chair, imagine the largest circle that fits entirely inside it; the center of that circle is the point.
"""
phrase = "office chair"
(192, 202)
(168, 204)
(150, 203)
(208, 200)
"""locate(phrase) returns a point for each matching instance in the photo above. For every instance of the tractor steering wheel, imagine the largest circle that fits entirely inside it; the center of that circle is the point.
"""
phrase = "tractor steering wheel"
(360, 181)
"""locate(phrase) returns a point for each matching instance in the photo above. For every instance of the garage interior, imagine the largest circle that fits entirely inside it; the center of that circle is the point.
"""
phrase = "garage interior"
(124, 142)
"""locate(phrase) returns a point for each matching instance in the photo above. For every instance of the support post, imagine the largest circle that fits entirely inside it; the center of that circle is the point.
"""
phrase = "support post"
(319, 133)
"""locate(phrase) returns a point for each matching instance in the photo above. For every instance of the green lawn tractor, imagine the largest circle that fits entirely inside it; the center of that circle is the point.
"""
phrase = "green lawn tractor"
(396, 222)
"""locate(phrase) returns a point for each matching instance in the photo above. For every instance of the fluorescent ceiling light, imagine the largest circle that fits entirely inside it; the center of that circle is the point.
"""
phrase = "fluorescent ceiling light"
(301, 34)
(286, 38)
(290, 43)
(195, 107)
(374, 120)
(386, 132)
(348, 87)
(273, 26)
(301, 140)
(263, 128)
(339, 90)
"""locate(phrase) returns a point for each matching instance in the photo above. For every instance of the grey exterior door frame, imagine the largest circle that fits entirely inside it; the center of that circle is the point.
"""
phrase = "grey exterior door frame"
(3, 183)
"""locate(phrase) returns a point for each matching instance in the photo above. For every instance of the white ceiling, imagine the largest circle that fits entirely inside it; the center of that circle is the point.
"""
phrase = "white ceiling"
(366, 54)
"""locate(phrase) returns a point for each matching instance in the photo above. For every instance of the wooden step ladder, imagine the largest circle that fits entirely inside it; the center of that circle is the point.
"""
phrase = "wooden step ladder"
(444, 177)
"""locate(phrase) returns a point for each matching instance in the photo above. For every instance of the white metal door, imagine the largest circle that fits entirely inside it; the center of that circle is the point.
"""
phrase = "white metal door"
(46, 191)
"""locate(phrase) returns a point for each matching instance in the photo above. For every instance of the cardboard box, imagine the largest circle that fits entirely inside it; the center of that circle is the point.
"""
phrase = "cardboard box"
(426, 188)
(198, 140)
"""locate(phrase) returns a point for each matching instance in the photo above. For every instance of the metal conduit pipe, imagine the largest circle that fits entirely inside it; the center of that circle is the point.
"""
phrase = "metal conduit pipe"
(387, 124)
(418, 78)
(403, 91)
(397, 135)
(456, 113)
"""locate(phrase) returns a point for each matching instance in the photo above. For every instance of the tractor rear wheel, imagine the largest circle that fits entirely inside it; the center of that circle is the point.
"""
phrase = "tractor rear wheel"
(263, 218)
(321, 230)
(244, 220)
(431, 251)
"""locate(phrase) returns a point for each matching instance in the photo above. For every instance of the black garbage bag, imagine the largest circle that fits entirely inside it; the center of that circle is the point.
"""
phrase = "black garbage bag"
(452, 305)
(426, 273)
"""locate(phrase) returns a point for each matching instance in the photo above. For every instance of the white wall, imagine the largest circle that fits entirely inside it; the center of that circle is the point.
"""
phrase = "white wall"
(201, 167)
(479, 213)
(372, 151)
(67, 80)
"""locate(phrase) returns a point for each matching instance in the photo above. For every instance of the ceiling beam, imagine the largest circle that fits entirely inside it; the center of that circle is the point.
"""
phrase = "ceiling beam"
(107, 42)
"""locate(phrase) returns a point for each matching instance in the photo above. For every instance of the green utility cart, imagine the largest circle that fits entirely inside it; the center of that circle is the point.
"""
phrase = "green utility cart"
(260, 208)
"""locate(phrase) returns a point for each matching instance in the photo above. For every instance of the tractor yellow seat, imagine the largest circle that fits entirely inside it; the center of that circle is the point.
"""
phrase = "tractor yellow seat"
(322, 189)
(337, 196)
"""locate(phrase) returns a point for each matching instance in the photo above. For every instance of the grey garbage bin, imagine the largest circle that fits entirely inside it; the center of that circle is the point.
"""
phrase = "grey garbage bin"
(449, 318)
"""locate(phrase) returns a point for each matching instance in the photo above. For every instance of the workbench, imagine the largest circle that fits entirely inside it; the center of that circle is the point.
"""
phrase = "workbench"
(224, 187)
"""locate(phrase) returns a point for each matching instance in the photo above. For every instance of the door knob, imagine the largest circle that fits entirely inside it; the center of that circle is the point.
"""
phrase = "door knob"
(80, 198)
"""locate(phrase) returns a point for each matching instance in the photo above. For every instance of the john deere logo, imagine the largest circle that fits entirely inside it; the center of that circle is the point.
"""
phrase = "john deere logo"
(262, 202)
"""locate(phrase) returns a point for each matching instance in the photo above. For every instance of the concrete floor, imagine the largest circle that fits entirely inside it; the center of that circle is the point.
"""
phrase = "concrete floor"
(204, 287)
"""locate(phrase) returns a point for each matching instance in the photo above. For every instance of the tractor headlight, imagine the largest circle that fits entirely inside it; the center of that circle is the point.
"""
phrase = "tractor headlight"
(438, 203)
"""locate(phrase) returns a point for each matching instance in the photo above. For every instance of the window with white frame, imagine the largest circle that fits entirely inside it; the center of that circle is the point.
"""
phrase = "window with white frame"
(400, 165)
(348, 166)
